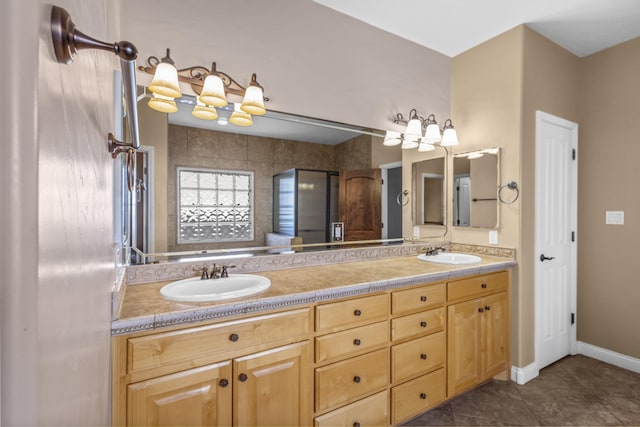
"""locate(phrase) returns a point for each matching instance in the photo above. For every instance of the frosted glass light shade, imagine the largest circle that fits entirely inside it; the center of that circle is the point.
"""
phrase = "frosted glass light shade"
(408, 143)
(165, 81)
(204, 112)
(432, 133)
(239, 117)
(161, 103)
(392, 138)
(213, 92)
(414, 130)
(449, 138)
(253, 102)
(424, 146)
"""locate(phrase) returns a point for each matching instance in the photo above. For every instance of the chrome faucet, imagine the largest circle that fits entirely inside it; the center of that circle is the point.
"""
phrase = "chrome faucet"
(435, 250)
(204, 272)
(214, 273)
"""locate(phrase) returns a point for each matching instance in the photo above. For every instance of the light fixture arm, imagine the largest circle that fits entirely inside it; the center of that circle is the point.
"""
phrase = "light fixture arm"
(195, 75)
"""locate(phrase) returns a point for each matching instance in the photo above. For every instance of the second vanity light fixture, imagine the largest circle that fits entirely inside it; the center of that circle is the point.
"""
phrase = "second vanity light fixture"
(413, 137)
(211, 86)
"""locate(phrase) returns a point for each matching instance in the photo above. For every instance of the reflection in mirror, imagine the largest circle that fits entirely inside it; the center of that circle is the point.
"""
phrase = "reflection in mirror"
(429, 188)
(184, 217)
(475, 186)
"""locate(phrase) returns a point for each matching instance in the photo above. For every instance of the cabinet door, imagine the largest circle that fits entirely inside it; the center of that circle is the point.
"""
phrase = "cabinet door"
(273, 387)
(197, 397)
(496, 333)
(463, 361)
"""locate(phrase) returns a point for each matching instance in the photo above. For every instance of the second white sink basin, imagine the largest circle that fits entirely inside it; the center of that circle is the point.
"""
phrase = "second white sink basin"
(454, 258)
(196, 290)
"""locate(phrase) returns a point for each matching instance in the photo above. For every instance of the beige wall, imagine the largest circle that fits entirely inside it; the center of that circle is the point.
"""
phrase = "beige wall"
(496, 88)
(608, 291)
(58, 199)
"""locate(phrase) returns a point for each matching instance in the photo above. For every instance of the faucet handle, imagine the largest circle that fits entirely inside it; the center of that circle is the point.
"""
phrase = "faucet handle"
(225, 273)
(204, 271)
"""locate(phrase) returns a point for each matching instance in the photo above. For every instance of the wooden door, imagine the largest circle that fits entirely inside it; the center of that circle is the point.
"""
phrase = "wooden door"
(273, 388)
(496, 334)
(361, 204)
(463, 361)
(197, 397)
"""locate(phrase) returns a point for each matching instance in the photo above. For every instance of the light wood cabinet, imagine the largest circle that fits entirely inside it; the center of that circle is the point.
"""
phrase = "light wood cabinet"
(197, 397)
(370, 360)
(478, 332)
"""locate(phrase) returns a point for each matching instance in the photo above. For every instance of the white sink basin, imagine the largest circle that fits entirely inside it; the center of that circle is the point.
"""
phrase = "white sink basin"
(234, 286)
(450, 258)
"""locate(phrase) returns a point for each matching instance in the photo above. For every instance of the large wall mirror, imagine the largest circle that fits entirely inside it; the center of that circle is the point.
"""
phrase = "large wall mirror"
(475, 188)
(429, 189)
(193, 172)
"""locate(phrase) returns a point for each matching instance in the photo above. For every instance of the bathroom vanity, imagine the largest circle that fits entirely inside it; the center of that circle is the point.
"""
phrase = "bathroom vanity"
(353, 344)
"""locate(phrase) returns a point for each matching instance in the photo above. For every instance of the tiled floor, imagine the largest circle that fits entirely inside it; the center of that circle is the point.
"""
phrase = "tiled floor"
(575, 391)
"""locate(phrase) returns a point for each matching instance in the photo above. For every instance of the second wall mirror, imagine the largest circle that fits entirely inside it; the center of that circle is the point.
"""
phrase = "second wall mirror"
(475, 188)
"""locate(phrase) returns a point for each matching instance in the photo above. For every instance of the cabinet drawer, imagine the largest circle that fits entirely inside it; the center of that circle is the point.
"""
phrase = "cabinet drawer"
(370, 411)
(417, 324)
(351, 342)
(350, 313)
(477, 285)
(421, 298)
(417, 395)
(196, 346)
(418, 356)
(344, 382)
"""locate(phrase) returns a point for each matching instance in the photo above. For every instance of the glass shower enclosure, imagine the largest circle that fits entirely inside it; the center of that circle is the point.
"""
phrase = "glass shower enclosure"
(305, 203)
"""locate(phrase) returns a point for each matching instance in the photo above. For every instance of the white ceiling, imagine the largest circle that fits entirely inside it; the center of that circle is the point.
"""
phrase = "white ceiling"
(453, 26)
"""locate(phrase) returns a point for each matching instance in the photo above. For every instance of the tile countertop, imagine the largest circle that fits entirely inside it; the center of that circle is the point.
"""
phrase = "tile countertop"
(143, 307)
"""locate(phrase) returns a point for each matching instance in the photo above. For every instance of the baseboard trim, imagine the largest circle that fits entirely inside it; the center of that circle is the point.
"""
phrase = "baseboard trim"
(608, 356)
(524, 375)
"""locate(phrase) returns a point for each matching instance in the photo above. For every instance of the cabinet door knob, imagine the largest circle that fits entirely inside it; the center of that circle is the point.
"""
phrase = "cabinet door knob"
(356, 342)
(423, 324)
(356, 379)
(483, 286)
(357, 312)
(487, 307)
(423, 396)
(423, 298)
(356, 424)
(224, 382)
(234, 337)
(481, 310)
(423, 356)
(243, 377)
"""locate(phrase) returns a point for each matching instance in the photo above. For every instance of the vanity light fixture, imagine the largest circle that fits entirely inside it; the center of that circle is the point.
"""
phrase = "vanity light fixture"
(211, 86)
(412, 137)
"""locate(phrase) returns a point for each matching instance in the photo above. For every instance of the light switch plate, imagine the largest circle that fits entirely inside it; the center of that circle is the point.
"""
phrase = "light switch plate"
(493, 237)
(416, 231)
(614, 217)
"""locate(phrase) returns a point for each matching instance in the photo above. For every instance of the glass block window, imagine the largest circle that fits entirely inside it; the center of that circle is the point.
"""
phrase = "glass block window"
(214, 205)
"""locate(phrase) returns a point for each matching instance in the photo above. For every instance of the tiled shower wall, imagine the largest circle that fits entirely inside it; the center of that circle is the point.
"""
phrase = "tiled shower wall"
(266, 157)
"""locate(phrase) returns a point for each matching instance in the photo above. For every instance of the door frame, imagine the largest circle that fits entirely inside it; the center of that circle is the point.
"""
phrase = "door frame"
(542, 117)
(383, 197)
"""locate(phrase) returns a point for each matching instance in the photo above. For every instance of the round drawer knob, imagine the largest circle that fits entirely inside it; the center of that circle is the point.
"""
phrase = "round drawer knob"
(423, 298)
(356, 379)
(423, 356)
(224, 382)
(483, 286)
(481, 310)
(423, 324)
(357, 312)
(234, 337)
(243, 377)
(423, 396)
(356, 424)
(487, 307)
(356, 342)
